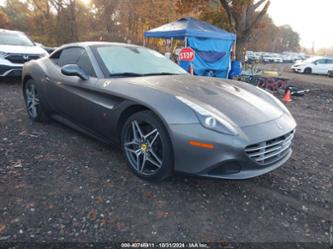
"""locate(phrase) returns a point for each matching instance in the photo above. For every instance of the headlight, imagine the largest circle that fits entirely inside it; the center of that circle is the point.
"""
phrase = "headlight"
(43, 55)
(3, 55)
(210, 118)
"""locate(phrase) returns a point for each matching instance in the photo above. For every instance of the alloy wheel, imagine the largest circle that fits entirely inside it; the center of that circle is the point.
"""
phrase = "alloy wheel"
(143, 147)
(32, 100)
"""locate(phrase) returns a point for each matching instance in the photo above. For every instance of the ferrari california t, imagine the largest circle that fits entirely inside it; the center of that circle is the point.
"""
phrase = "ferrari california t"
(164, 119)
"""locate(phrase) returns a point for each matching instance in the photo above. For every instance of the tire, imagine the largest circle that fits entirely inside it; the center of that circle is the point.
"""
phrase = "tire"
(35, 108)
(307, 70)
(149, 153)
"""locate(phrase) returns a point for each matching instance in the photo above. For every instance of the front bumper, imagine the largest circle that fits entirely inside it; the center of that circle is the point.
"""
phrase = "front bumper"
(297, 69)
(228, 159)
(10, 69)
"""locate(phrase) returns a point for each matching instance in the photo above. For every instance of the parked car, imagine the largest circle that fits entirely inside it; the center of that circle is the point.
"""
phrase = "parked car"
(164, 119)
(15, 49)
(287, 58)
(314, 65)
(47, 49)
(293, 57)
(272, 58)
(251, 57)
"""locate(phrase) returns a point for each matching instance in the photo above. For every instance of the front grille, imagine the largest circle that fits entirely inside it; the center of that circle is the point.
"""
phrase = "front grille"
(270, 151)
(21, 58)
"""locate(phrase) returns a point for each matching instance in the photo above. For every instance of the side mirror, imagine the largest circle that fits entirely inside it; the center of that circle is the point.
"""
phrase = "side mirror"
(315, 62)
(74, 70)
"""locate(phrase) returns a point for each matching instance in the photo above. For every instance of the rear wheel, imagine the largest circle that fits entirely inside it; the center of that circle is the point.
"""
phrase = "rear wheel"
(307, 70)
(146, 147)
(35, 108)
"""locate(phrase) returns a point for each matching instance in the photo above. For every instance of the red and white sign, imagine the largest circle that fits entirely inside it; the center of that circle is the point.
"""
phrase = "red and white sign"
(186, 54)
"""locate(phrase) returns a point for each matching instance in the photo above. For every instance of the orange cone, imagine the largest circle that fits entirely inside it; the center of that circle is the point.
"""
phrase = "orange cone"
(287, 96)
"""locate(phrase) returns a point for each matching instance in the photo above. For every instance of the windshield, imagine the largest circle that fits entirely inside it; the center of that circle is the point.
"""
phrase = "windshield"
(15, 39)
(312, 59)
(135, 61)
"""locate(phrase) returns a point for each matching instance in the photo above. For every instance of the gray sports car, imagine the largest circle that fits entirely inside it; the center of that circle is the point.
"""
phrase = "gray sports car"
(164, 119)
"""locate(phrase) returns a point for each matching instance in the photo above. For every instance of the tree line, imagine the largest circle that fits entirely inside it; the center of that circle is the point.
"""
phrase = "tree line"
(55, 22)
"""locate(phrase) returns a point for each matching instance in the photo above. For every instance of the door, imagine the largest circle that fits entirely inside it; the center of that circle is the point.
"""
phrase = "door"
(329, 65)
(319, 66)
(69, 95)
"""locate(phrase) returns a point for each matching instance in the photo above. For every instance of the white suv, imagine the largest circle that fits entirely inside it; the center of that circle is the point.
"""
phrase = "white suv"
(314, 65)
(16, 49)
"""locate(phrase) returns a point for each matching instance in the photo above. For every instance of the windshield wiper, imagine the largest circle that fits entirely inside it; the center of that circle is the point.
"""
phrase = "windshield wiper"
(131, 74)
(126, 74)
(161, 73)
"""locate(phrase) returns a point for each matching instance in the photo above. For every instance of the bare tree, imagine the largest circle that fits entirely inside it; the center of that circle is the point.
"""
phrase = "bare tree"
(243, 16)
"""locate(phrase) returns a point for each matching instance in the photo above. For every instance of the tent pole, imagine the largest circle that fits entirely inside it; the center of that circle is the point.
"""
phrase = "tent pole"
(185, 42)
(234, 50)
(144, 41)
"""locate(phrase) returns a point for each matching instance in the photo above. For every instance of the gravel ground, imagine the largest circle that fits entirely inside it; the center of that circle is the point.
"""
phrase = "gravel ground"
(59, 185)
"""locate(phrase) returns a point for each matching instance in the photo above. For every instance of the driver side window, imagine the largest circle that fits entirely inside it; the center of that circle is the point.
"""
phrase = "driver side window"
(321, 61)
(70, 56)
(76, 56)
(85, 63)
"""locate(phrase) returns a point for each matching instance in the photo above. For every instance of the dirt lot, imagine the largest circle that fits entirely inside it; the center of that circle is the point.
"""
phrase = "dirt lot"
(59, 185)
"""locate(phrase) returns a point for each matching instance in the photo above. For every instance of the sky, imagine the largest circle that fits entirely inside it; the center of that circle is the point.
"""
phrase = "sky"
(312, 19)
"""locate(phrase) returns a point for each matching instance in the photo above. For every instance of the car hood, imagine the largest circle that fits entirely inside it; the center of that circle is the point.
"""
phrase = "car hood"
(22, 49)
(243, 107)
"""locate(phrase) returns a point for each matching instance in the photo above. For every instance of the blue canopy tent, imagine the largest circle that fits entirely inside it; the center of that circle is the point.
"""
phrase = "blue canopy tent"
(211, 44)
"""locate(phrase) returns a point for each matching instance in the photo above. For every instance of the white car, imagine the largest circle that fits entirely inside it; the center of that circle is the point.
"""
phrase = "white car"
(16, 49)
(272, 58)
(251, 56)
(314, 65)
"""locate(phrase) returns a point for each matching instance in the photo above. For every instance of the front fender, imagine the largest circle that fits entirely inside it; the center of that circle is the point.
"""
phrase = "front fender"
(35, 70)
(165, 105)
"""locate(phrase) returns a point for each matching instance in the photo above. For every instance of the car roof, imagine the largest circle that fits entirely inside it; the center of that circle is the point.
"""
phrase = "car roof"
(87, 44)
(94, 43)
(317, 58)
(11, 31)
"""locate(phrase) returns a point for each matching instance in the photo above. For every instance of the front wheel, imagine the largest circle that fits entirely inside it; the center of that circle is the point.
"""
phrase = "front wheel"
(147, 147)
(307, 70)
(35, 108)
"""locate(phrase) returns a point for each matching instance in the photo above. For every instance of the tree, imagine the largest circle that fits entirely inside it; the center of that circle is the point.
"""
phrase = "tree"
(289, 39)
(41, 21)
(4, 20)
(55, 22)
(18, 14)
(67, 12)
(243, 15)
(237, 16)
(266, 36)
